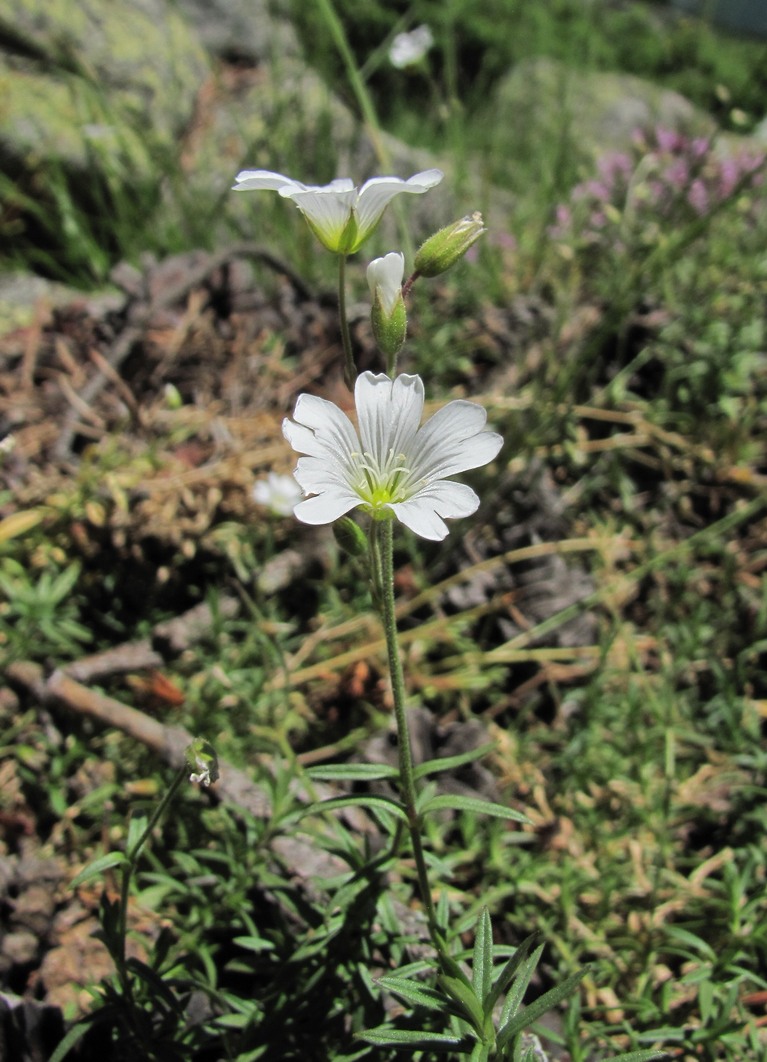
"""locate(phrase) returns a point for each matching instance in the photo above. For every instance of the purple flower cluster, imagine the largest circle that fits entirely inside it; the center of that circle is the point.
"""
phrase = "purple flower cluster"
(667, 178)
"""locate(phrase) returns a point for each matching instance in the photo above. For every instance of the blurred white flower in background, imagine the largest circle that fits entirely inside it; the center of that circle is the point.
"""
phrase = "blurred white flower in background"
(278, 493)
(407, 49)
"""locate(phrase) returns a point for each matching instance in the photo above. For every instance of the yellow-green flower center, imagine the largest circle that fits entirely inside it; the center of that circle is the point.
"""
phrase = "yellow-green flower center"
(381, 483)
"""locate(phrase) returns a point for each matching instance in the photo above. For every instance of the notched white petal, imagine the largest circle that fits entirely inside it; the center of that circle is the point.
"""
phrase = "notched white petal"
(385, 277)
(325, 508)
(265, 181)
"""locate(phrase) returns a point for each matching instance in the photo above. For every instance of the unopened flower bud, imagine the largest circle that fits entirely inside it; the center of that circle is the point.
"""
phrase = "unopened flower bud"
(388, 316)
(445, 247)
(350, 537)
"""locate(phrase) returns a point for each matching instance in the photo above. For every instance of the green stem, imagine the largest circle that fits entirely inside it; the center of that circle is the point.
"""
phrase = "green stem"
(133, 856)
(383, 544)
(350, 369)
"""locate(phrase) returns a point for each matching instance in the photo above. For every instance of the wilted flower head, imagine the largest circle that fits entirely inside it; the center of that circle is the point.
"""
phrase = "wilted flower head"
(407, 49)
(389, 465)
(202, 761)
(278, 493)
(340, 215)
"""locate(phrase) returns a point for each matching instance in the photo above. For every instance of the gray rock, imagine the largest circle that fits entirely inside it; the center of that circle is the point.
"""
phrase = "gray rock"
(595, 111)
(20, 947)
(89, 84)
(24, 297)
(240, 29)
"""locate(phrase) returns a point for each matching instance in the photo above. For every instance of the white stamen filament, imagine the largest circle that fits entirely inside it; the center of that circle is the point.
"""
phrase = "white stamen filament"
(381, 482)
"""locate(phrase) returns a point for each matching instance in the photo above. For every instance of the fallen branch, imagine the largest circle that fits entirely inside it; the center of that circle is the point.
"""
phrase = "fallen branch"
(168, 742)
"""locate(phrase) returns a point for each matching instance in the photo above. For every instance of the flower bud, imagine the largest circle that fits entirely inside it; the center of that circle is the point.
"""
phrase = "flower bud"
(388, 316)
(445, 247)
(350, 537)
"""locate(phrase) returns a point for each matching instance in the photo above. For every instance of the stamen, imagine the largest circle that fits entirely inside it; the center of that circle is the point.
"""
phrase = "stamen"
(380, 482)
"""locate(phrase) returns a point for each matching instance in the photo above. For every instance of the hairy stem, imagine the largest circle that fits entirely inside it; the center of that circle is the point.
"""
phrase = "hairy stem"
(383, 544)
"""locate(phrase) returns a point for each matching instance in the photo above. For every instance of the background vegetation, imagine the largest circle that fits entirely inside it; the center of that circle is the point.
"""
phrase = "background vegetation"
(615, 330)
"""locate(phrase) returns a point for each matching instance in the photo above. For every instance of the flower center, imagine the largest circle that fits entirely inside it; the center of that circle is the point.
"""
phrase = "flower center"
(380, 483)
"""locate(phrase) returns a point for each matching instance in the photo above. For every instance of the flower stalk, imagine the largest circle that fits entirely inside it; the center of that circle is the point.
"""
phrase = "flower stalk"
(383, 567)
(129, 868)
(350, 369)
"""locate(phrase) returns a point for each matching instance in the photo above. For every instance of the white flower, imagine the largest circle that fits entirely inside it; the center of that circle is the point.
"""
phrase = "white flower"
(340, 215)
(385, 279)
(407, 49)
(277, 493)
(392, 465)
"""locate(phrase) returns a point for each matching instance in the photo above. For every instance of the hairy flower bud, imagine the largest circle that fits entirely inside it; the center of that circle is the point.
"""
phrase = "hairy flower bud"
(350, 537)
(444, 248)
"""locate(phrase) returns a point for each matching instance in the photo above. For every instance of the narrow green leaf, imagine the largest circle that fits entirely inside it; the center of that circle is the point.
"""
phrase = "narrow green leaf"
(375, 803)
(352, 772)
(451, 968)
(504, 978)
(256, 944)
(519, 987)
(456, 802)
(98, 866)
(69, 1041)
(638, 1056)
(136, 827)
(449, 763)
(469, 1007)
(482, 960)
(383, 1037)
(481, 1053)
(160, 988)
(414, 992)
(538, 1007)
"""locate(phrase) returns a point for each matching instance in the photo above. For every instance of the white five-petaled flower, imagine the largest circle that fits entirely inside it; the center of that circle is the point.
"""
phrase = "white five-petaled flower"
(340, 215)
(385, 279)
(407, 49)
(391, 465)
